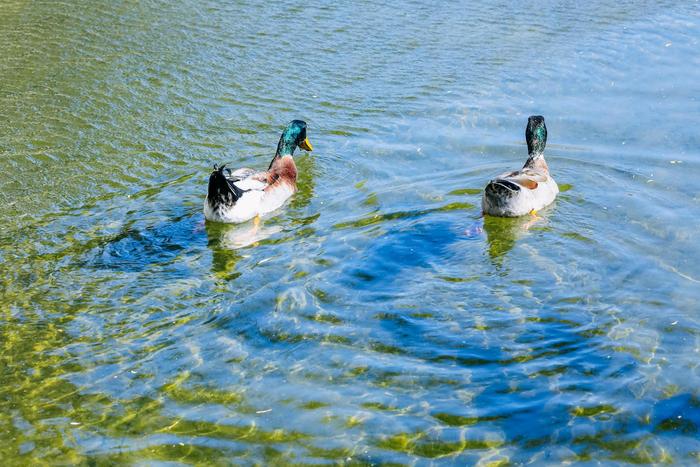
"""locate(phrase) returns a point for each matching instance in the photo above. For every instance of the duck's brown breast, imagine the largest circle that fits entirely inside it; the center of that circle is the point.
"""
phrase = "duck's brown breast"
(283, 170)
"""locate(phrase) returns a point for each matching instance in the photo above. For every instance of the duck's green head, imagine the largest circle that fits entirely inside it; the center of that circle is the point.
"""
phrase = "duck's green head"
(535, 135)
(292, 136)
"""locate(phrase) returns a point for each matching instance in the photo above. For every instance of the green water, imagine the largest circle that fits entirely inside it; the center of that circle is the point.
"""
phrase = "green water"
(377, 318)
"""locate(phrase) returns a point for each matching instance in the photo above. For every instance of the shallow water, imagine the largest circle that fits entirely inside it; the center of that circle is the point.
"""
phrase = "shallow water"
(377, 318)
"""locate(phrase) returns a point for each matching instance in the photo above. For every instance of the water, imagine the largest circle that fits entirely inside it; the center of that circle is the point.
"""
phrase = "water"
(377, 318)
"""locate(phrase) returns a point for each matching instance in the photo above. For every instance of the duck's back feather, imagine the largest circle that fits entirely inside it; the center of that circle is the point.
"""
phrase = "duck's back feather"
(243, 172)
(251, 183)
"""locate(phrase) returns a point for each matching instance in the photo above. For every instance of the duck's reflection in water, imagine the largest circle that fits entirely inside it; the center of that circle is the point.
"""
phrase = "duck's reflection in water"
(502, 233)
(225, 241)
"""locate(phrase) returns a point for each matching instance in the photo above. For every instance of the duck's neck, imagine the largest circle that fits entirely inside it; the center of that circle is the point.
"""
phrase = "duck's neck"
(285, 147)
(536, 161)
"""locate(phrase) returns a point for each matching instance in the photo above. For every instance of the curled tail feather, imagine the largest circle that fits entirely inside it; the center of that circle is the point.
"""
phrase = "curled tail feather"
(222, 191)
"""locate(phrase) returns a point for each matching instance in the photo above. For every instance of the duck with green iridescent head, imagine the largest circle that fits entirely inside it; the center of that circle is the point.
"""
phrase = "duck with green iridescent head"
(529, 189)
(239, 195)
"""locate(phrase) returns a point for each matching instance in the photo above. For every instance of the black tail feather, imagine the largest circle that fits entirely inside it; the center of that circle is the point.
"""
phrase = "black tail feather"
(221, 190)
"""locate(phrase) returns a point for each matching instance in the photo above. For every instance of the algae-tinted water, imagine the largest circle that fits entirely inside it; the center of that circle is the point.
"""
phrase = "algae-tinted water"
(377, 318)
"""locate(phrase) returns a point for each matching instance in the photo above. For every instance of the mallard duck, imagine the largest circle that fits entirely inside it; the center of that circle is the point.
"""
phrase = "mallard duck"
(242, 194)
(526, 190)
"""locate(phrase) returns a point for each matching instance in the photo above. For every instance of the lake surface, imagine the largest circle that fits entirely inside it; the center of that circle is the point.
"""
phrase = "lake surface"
(377, 318)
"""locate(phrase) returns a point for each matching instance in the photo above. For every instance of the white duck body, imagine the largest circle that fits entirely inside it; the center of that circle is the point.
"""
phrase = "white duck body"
(514, 194)
(244, 209)
(526, 190)
(257, 195)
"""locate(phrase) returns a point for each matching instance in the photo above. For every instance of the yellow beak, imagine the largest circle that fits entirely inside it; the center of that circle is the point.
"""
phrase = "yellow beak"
(306, 145)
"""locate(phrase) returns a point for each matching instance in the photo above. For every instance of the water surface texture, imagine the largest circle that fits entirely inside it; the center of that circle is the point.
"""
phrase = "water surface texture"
(377, 319)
